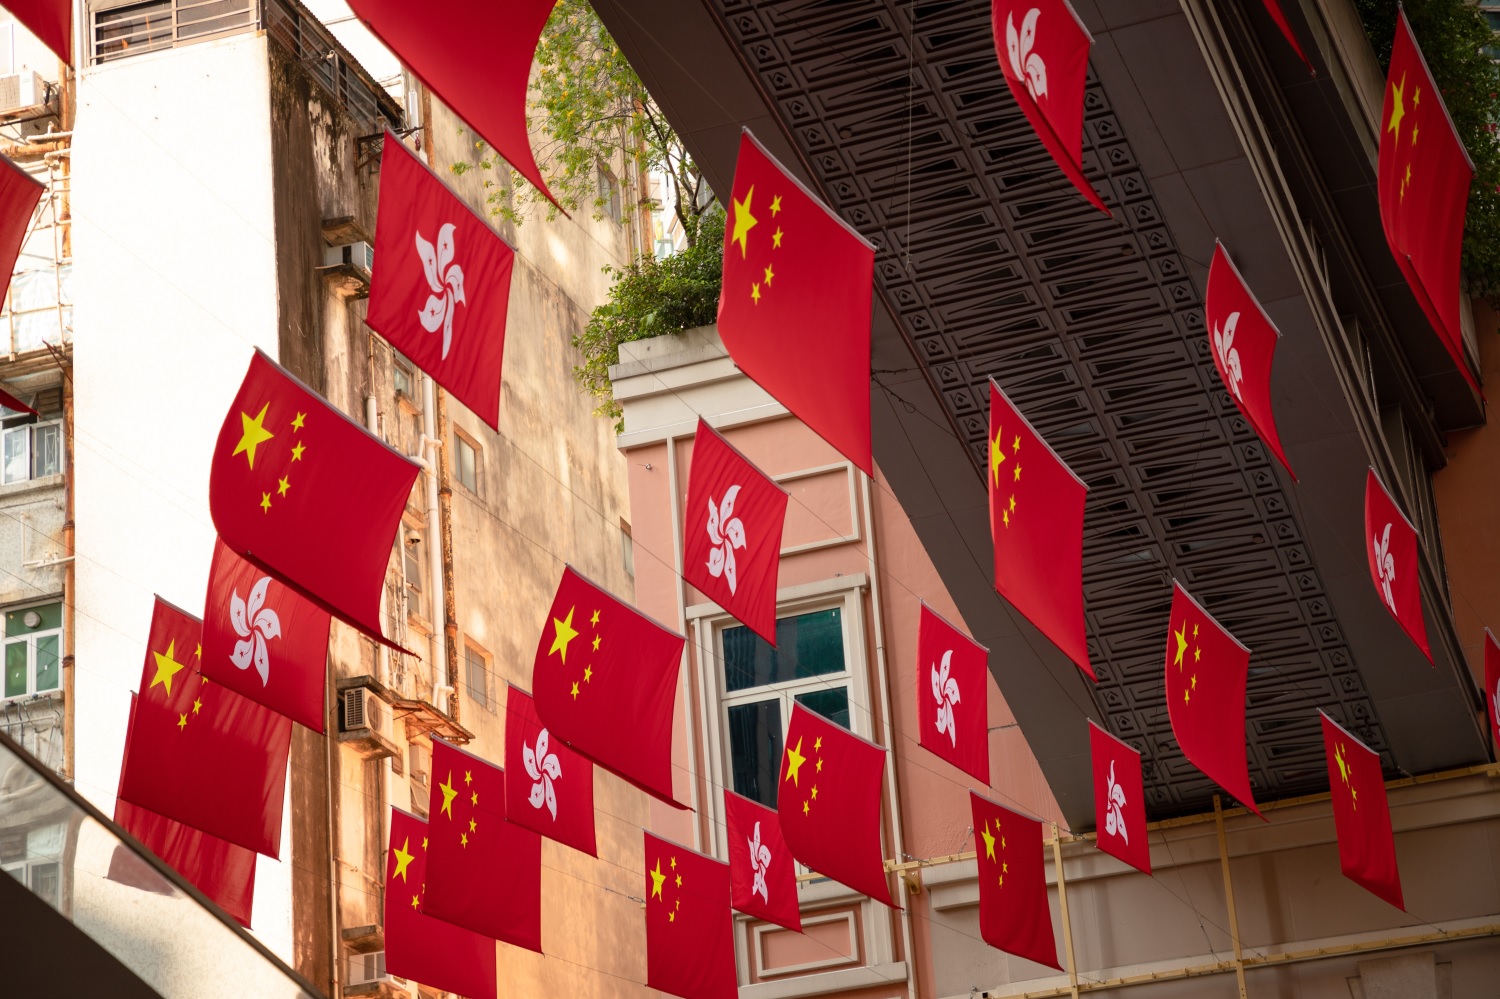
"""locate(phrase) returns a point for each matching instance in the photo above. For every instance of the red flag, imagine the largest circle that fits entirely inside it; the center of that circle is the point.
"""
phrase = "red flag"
(1119, 800)
(552, 788)
(1273, 7)
(201, 754)
(763, 879)
(1391, 549)
(52, 23)
(1243, 339)
(1424, 177)
(263, 639)
(9, 401)
(1044, 53)
(418, 946)
(476, 58)
(798, 283)
(605, 679)
(1492, 686)
(441, 284)
(828, 801)
(732, 532)
(1036, 521)
(689, 928)
(953, 716)
(1013, 912)
(1361, 814)
(19, 194)
(482, 872)
(1206, 673)
(299, 488)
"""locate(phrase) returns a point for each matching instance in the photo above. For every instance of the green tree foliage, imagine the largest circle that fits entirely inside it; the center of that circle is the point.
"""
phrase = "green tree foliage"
(1455, 37)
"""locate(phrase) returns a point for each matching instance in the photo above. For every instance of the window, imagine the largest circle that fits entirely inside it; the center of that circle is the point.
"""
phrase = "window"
(477, 675)
(28, 449)
(33, 649)
(405, 382)
(132, 30)
(609, 194)
(8, 48)
(36, 861)
(465, 462)
(627, 548)
(411, 555)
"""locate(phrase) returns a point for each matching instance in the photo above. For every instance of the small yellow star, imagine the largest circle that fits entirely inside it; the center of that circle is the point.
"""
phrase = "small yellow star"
(1195, 681)
(282, 485)
(1004, 868)
(574, 691)
(588, 673)
(297, 451)
(776, 239)
(595, 619)
(1197, 653)
(471, 825)
(1015, 445)
(755, 293)
(1017, 471)
(1002, 838)
(820, 764)
(1187, 696)
(818, 744)
(672, 916)
(805, 808)
(679, 880)
(424, 843)
(463, 839)
(414, 901)
(1195, 632)
(674, 863)
(1001, 881)
(181, 722)
(474, 798)
(197, 705)
(1005, 517)
(1013, 503)
(300, 420)
(776, 205)
(815, 792)
(468, 776)
(265, 502)
(769, 275)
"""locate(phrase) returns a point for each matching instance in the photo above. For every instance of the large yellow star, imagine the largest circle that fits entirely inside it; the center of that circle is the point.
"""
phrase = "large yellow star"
(997, 457)
(403, 858)
(1398, 109)
(743, 221)
(449, 793)
(794, 761)
(166, 667)
(1181, 636)
(252, 434)
(562, 634)
(657, 880)
(989, 841)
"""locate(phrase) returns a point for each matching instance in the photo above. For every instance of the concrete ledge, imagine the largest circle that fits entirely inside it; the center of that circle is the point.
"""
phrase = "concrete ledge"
(893, 975)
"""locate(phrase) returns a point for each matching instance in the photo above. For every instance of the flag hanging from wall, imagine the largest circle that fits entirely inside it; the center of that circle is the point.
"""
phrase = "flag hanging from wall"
(1206, 674)
(1036, 523)
(1044, 54)
(1243, 340)
(52, 23)
(828, 800)
(1013, 911)
(794, 309)
(1273, 8)
(689, 926)
(264, 640)
(953, 715)
(1391, 548)
(299, 488)
(20, 193)
(605, 683)
(1361, 813)
(1424, 177)
(763, 879)
(199, 753)
(418, 946)
(1492, 686)
(477, 60)
(1119, 800)
(551, 790)
(441, 282)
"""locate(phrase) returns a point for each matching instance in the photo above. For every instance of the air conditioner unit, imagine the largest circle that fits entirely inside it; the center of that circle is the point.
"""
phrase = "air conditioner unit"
(364, 718)
(361, 710)
(367, 969)
(360, 256)
(21, 92)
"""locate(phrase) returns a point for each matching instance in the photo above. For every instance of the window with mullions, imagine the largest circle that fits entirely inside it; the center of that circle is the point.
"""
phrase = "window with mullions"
(33, 647)
(28, 449)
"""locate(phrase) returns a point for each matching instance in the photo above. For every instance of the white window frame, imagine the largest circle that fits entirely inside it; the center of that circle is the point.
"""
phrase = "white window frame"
(30, 640)
(27, 430)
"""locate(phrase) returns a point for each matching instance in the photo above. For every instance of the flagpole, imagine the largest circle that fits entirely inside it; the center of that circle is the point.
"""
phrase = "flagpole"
(1234, 920)
(1062, 904)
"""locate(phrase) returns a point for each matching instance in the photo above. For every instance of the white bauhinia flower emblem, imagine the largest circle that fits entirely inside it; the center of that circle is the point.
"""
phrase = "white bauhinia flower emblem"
(945, 690)
(543, 768)
(1114, 814)
(760, 863)
(725, 533)
(446, 279)
(1385, 566)
(1229, 354)
(1024, 63)
(256, 624)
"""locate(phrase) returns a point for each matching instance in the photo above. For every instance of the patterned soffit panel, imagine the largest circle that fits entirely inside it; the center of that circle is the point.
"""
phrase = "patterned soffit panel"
(995, 266)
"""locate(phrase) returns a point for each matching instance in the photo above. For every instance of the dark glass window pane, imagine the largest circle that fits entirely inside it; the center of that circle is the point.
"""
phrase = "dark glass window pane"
(46, 663)
(832, 704)
(755, 749)
(15, 669)
(478, 687)
(806, 645)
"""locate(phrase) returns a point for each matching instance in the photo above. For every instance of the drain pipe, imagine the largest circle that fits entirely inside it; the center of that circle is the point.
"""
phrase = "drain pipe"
(382, 653)
(436, 644)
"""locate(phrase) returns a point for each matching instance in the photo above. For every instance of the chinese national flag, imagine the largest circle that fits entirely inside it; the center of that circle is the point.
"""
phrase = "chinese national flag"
(1424, 177)
(1119, 800)
(1036, 521)
(828, 801)
(1492, 686)
(732, 543)
(476, 57)
(763, 879)
(1013, 912)
(263, 639)
(1044, 53)
(794, 309)
(52, 23)
(953, 716)
(552, 790)
(201, 754)
(1243, 339)
(605, 683)
(689, 927)
(418, 946)
(1206, 674)
(1361, 814)
(441, 283)
(1391, 548)
(299, 488)
(19, 194)
(483, 873)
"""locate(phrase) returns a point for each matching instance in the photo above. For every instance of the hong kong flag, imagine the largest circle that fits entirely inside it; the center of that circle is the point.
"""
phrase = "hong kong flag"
(732, 544)
(52, 23)
(1243, 339)
(689, 927)
(1492, 686)
(1036, 521)
(763, 879)
(263, 639)
(1391, 548)
(1013, 912)
(19, 194)
(441, 284)
(953, 715)
(828, 800)
(605, 683)
(1361, 813)
(1119, 800)
(1206, 673)
(794, 309)
(552, 788)
(1044, 53)
(299, 488)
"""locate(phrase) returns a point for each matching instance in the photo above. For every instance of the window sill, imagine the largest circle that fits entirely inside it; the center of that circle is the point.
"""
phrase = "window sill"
(23, 699)
(33, 485)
